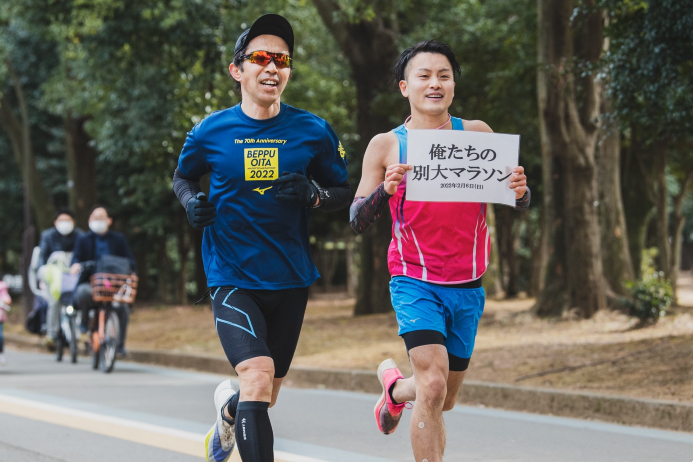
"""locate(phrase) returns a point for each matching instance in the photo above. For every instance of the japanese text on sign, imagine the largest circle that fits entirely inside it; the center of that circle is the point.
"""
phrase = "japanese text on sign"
(461, 166)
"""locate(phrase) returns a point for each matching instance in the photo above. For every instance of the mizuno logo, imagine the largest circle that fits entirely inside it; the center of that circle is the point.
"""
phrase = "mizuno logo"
(262, 191)
(414, 320)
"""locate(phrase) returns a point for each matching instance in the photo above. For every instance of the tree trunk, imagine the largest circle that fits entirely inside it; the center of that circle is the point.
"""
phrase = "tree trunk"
(370, 46)
(679, 221)
(196, 238)
(638, 201)
(19, 132)
(144, 283)
(351, 266)
(492, 277)
(618, 267)
(81, 168)
(662, 209)
(373, 292)
(163, 276)
(537, 256)
(200, 276)
(329, 259)
(569, 111)
(183, 250)
(586, 288)
(508, 245)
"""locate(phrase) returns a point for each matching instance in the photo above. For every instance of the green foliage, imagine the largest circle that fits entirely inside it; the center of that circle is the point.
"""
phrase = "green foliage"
(653, 293)
(145, 71)
(495, 44)
(651, 65)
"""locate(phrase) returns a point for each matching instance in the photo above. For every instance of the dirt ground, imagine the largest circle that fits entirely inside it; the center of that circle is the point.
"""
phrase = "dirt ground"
(609, 353)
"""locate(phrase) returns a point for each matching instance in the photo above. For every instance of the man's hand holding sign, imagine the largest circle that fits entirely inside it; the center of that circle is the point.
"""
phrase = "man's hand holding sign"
(394, 176)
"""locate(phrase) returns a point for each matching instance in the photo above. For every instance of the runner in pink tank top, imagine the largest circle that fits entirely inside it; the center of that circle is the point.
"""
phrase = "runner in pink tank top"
(439, 242)
(438, 253)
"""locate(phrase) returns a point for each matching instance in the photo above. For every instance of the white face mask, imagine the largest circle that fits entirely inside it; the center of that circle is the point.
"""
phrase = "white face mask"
(65, 227)
(98, 226)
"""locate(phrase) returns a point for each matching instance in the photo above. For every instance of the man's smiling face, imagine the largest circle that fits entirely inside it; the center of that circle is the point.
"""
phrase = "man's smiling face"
(429, 83)
(263, 84)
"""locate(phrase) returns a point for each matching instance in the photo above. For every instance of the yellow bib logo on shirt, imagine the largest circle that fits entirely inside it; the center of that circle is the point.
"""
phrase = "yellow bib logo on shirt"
(261, 163)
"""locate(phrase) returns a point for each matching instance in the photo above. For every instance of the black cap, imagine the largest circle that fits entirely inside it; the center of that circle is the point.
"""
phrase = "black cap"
(268, 24)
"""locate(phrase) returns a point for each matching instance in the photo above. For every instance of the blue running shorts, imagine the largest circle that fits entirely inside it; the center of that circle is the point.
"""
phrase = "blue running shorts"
(453, 312)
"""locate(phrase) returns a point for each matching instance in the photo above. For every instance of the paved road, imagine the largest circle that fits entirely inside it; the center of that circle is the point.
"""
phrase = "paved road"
(62, 412)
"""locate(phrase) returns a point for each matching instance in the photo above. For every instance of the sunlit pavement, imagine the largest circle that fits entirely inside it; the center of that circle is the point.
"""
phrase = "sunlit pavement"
(63, 412)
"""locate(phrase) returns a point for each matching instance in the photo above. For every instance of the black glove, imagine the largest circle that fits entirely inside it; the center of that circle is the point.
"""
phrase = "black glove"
(200, 211)
(296, 188)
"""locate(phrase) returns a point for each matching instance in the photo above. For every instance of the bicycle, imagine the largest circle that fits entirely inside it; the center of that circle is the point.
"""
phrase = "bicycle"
(57, 285)
(67, 334)
(104, 327)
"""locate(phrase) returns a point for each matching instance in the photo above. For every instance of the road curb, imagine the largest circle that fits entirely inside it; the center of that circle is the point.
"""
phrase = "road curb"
(668, 415)
(24, 340)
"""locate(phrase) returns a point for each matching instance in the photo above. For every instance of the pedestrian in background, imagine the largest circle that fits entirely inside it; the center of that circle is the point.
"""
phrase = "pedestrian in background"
(5, 301)
(60, 238)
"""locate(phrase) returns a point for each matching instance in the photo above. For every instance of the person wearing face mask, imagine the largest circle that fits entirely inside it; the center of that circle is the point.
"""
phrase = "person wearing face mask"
(90, 247)
(61, 237)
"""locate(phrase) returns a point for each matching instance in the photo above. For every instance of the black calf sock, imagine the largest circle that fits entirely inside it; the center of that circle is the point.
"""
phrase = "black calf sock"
(390, 390)
(232, 406)
(254, 435)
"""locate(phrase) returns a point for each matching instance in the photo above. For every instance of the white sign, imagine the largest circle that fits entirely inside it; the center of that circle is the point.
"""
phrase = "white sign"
(461, 166)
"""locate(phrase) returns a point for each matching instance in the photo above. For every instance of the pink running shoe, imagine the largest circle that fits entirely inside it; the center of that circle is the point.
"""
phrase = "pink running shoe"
(387, 414)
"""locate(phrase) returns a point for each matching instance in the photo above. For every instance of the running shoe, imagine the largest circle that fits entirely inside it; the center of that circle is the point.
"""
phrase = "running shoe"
(221, 439)
(388, 414)
(3, 361)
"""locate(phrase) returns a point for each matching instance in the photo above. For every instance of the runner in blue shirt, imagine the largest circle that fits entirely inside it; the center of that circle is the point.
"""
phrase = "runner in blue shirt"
(261, 156)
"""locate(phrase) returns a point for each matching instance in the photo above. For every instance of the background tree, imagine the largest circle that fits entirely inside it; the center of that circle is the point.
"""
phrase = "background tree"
(498, 68)
(367, 33)
(21, 116)
(651, 86)
(617, 262)
(569, 102)
(112, 87)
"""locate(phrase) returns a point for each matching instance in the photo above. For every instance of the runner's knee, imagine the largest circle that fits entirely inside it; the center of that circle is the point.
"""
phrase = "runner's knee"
(257, 380)
(431, 388)
(256, 376)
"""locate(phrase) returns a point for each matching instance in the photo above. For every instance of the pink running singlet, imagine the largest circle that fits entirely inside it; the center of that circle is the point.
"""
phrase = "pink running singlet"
(439, 242)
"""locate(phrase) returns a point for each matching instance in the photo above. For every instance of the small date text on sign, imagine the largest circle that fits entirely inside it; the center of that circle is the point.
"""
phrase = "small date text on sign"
(461, 166)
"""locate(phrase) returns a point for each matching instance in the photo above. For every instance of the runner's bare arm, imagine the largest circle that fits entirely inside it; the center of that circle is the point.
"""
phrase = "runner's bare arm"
(518, 180)
(373, 193)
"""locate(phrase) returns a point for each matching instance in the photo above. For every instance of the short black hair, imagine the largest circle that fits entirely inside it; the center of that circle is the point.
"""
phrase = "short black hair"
(427, 46)
(63, 211)
(99, 206)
